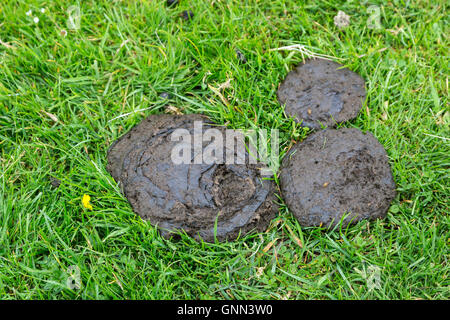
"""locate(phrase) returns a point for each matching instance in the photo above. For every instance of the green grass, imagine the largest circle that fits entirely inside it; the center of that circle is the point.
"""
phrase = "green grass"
(124, 55)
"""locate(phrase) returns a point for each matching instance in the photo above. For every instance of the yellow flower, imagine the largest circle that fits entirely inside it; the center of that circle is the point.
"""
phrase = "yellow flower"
(85, 202)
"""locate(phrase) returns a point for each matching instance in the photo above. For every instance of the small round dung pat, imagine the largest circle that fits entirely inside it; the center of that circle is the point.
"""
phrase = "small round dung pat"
(319, 93)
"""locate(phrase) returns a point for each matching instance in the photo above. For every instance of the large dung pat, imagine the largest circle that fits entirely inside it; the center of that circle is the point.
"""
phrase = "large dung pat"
(192, 197)
(337, 173)
(321, 92)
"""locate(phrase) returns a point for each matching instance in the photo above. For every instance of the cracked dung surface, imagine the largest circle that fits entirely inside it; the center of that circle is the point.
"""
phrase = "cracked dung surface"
(316, 92)
(188, 197)
(334, 172)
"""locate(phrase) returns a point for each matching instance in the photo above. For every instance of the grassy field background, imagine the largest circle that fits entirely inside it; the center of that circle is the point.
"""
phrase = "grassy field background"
(65, 98)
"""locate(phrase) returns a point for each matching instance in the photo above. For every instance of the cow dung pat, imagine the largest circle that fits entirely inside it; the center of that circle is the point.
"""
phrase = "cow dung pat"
(189, 197)
(334, 173)
(318, 92)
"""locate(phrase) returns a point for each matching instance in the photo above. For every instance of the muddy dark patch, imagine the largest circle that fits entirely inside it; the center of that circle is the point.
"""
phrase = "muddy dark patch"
(318, 93)
(187, 15)
(241, 57)
(188, 197)
(172, 3)
(55, 182)
(337, 172)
